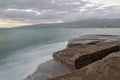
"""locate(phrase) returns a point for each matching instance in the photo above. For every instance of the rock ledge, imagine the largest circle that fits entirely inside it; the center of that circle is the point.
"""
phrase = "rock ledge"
(91, 57)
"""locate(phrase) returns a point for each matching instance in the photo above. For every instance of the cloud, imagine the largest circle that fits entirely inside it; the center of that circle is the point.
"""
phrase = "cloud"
(73, 3)
(106, 2)
(25, 10)
(39, 11)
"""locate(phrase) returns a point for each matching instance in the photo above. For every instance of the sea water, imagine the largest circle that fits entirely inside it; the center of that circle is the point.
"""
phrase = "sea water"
(22, 50)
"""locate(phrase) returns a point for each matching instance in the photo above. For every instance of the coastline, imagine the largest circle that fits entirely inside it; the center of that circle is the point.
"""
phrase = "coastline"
(97, 50)
(24, 59)
(91, 57)
(47, 60)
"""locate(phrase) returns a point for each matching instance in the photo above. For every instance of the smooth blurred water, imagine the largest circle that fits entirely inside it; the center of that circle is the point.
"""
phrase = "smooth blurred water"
(21, 50)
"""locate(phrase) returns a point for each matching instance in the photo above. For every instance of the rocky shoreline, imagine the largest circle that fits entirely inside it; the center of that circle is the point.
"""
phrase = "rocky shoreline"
(89, 57)
(47, 70)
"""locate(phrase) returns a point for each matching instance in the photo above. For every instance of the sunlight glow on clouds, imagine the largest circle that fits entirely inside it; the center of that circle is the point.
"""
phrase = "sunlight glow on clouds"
(60, 21)
(9, 23)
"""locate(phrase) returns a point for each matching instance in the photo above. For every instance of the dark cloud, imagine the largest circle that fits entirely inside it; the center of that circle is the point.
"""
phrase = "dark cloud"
(52, 10)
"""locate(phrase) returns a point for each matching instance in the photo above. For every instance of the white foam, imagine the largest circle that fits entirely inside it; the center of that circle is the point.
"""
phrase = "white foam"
(25, 61)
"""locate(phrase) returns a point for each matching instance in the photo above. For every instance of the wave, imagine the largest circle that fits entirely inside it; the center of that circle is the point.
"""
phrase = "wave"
(25, 61)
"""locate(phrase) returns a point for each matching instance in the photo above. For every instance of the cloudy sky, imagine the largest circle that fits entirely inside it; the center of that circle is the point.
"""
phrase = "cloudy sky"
(25, 12)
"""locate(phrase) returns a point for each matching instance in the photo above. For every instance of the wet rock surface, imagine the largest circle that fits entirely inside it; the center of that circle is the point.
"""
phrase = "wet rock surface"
(47, 70)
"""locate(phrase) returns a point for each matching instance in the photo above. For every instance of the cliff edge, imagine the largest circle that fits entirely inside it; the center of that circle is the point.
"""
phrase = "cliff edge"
(91, 57)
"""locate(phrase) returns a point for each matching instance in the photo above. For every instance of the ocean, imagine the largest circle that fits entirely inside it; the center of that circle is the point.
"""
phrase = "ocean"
(23, 49)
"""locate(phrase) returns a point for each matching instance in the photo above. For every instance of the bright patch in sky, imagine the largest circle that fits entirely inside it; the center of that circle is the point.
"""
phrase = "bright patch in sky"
(9, 24)
(25, 10)
(75, 3)
(106, 2)
(52, 1)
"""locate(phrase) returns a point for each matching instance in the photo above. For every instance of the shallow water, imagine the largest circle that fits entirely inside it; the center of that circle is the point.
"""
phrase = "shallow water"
(22, 50)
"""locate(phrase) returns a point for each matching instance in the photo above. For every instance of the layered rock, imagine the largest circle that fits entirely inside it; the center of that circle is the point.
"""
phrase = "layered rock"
(91, 39)
(80, 56)
(107, 68)
(93, 57)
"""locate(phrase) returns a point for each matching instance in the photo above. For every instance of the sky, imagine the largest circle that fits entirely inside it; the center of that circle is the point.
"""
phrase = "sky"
(26, 12)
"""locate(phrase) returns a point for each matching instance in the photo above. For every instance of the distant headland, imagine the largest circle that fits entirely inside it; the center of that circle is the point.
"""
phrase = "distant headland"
(89, 23)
